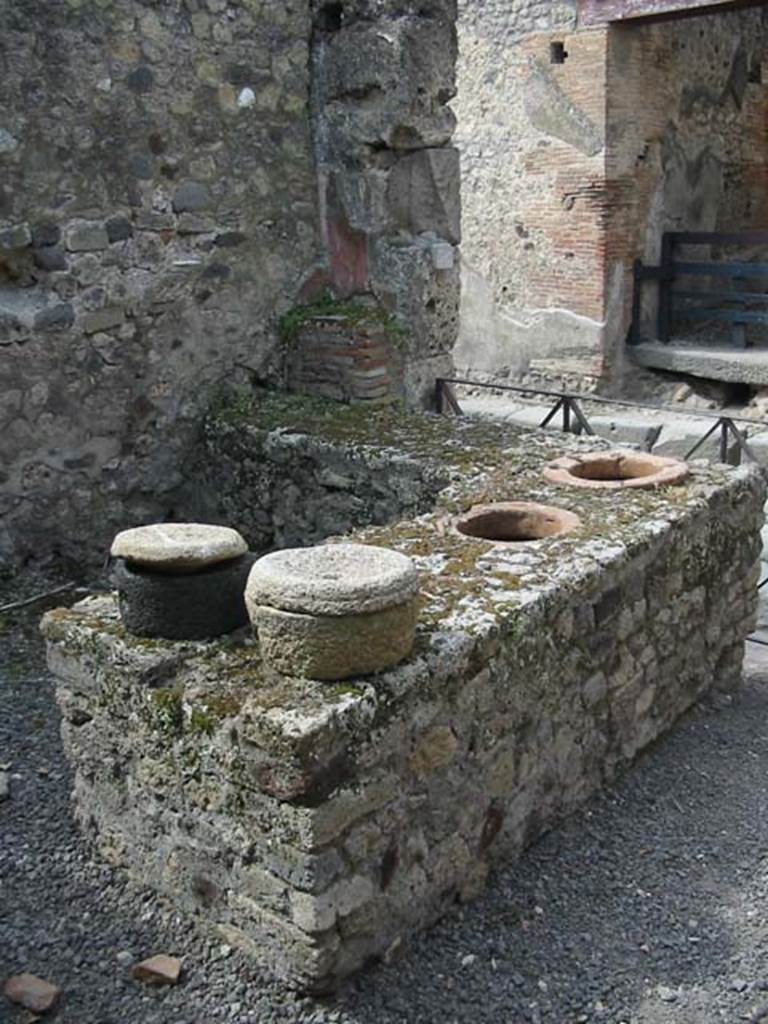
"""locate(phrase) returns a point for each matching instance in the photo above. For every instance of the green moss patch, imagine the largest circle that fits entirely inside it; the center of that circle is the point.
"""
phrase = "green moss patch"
(348, 313)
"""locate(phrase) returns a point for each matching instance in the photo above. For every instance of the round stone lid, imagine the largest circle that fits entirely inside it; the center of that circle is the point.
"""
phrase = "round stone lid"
(178, 547)
(332, 579)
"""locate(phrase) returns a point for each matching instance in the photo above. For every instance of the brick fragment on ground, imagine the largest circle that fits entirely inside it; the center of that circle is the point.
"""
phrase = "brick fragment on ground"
(31, 992)
(158, 970)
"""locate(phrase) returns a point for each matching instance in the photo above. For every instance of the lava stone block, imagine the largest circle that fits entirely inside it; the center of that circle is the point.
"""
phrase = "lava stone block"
(183, 606)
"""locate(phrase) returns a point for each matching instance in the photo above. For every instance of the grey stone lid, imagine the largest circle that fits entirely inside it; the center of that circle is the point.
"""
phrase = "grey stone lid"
(178, 547)
(332, 579)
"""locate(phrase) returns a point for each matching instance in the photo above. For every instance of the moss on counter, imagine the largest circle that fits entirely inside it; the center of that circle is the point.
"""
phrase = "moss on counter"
(469, 586)
(460, 446)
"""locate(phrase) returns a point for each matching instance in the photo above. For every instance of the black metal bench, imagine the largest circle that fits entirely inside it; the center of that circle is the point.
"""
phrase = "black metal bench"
(732, 304)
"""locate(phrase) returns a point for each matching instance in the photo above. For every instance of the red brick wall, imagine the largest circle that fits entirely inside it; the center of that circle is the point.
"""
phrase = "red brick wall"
(344, 363)
(562, 197)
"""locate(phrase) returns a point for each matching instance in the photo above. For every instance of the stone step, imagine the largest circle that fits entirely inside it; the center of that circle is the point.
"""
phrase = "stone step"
(635, 430)
(665, 433)
(720, 362)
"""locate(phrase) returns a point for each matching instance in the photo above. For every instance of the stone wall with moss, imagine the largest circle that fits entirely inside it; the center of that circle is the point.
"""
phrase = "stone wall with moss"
(276, 468)
(175, 177)
(319, 825)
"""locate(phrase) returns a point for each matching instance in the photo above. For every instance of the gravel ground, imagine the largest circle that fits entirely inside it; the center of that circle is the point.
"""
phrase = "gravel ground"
(648, 907)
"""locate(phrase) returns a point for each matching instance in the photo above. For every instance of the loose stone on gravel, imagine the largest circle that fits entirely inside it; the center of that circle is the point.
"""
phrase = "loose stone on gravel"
(31, 992)
(5, 786)
(664, 846)
(667, 995)
(158, 970)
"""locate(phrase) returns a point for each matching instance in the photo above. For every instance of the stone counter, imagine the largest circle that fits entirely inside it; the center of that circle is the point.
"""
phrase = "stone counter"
(321, 824)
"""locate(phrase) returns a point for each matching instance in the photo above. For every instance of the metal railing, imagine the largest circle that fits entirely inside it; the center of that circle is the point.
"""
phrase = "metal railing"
(733, 442)
(727, 300)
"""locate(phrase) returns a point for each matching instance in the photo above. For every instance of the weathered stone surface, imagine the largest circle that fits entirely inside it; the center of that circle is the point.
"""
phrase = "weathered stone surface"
(187, 605)
(158, 970)
(141, 79)
(31, 992)
(123, 403)
(187, 135)
(333, 579)
(102, 319)
(16, 237)
(45, 234)
(191, 196)
(334, 646)
(8, 144)
(383, 80)
(308, 486)
(119, 229)
(50, 259)
(537, 676)
(177, 547)
(55, 318)
(424, 192)
(21, 306)
(435, 750)
(86, 237)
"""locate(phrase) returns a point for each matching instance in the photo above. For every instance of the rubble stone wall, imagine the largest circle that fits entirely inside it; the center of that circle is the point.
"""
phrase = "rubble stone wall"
(282, 487)
(156, 210)
(319, 825)
(173, 178)
(383, 73)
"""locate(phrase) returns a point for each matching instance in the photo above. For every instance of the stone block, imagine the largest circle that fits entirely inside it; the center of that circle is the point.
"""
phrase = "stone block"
(191, 196)
(86, 236)
(318, 646)
(50, 259)
(16, 237)
(119, 229)
(103, 319)
(183, 605)
(389, 86)
(33, 993)
(433, 751)
(8, 144)
(423, 193)
(141, 79)
(45, 234)
(192, 224)
(55, 318)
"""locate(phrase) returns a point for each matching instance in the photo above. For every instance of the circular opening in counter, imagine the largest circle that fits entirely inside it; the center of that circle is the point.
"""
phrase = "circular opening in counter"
(515, 522)
(617, 469)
